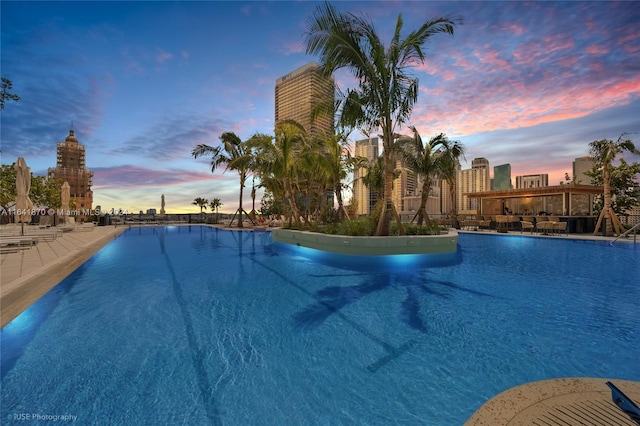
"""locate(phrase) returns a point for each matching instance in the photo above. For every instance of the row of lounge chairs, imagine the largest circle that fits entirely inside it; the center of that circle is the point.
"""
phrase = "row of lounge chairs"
(12, 240)
(543, 224)
(503, 223)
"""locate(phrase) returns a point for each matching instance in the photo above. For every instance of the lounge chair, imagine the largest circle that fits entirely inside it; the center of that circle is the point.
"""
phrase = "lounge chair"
(470, 223)
(484, 223)
(624, 403)
(545, 227)
(526, 225)
(560, 228)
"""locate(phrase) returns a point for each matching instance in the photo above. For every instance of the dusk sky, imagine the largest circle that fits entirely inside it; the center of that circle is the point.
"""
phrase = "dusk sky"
(525, 83)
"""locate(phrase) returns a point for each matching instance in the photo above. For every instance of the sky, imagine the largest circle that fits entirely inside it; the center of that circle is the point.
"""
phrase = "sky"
(530, 84)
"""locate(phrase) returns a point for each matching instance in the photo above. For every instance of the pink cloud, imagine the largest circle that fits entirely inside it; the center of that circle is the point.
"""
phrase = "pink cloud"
(131, 177)
(163, 57)
(516, 29)
(597, 50)
(294, 48)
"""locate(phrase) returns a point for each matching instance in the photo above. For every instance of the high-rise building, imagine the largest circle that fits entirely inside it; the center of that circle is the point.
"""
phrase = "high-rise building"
(365, 198)
(301, 95)
(501, 177)
(483, 163)
(71, 168)
(405, 186)
(580, 166)
(532, 181)
(475, 179)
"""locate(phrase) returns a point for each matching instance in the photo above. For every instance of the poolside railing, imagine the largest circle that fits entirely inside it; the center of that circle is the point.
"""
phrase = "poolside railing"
(633, 229)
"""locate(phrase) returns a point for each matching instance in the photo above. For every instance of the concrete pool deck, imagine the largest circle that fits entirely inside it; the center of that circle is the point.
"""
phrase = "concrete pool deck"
(567, 401)
(28, 274)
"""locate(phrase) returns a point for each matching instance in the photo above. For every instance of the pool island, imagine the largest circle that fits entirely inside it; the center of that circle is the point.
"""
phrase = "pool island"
(377, 246)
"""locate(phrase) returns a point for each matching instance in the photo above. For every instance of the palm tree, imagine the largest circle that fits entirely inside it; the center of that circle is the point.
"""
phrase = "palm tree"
(215, 204)
(386, 92)
(5, 86)
(202, 203)
(604, 153)
(336, 162)
(429, 161)
(449, 174)
(280, 160)
(235, 154)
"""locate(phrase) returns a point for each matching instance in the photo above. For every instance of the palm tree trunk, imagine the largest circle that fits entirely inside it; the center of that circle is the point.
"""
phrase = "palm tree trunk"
(606, 177)
(453, 210)
(423, 216)
(341, 209)
(385, 215)
(240, 207)
(288, 195)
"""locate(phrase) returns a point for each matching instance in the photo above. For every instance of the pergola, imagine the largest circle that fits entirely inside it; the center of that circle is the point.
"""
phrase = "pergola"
(562, 200)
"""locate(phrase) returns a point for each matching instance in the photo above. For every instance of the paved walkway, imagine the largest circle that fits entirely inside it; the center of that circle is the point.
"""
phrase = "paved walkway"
(28, 274)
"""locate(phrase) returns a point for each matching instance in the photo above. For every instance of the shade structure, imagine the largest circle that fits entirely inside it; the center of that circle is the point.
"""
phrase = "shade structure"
(65, 196)
(24, 206)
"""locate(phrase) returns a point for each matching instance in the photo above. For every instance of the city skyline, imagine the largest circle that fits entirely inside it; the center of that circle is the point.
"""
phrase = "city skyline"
(141, 83)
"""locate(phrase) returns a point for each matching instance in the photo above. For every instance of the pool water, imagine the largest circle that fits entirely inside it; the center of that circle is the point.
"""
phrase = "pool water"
(197, 325)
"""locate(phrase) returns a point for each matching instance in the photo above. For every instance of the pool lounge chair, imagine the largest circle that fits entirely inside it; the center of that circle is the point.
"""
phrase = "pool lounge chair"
(526, 225)
(560, 228)
(624, 403)
(470, 224)
(544, 227)
(484, 223)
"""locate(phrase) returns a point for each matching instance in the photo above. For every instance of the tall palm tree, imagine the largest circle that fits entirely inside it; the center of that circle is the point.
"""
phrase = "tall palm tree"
(235, 155)
(604, 153)
(336, 162)
(386, 92)
(429, 161)
(280, 159)
(202, 203)
(215, 204)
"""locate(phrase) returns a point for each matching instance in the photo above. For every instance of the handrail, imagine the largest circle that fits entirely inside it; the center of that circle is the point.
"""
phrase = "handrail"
(628, 231)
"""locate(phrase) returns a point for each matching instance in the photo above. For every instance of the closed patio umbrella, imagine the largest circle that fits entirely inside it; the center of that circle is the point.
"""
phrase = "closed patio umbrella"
(23, 186)
(65, 195)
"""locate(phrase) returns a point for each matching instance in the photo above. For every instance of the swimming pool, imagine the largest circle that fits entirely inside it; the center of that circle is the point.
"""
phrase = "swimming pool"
(197, 325)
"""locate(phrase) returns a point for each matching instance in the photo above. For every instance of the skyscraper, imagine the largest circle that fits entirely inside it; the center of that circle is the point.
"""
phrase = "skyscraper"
(580, 166)
(300, 93)
(365, 198)
(475, 179)
(482, 163)
(71, 168)
(532, 181)
(501, 177)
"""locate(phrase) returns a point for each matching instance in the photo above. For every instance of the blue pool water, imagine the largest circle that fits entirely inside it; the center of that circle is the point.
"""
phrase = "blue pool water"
(195, 325)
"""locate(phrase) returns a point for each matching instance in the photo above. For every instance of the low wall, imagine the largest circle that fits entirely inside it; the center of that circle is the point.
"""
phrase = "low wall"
(342, 244)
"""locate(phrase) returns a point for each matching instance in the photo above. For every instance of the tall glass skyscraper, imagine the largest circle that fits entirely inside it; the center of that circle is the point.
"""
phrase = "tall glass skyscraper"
(301, 94)
(501, 177)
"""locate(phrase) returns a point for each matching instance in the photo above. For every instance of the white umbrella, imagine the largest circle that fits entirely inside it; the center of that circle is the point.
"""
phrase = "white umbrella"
(23, 186)
(65, 195)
